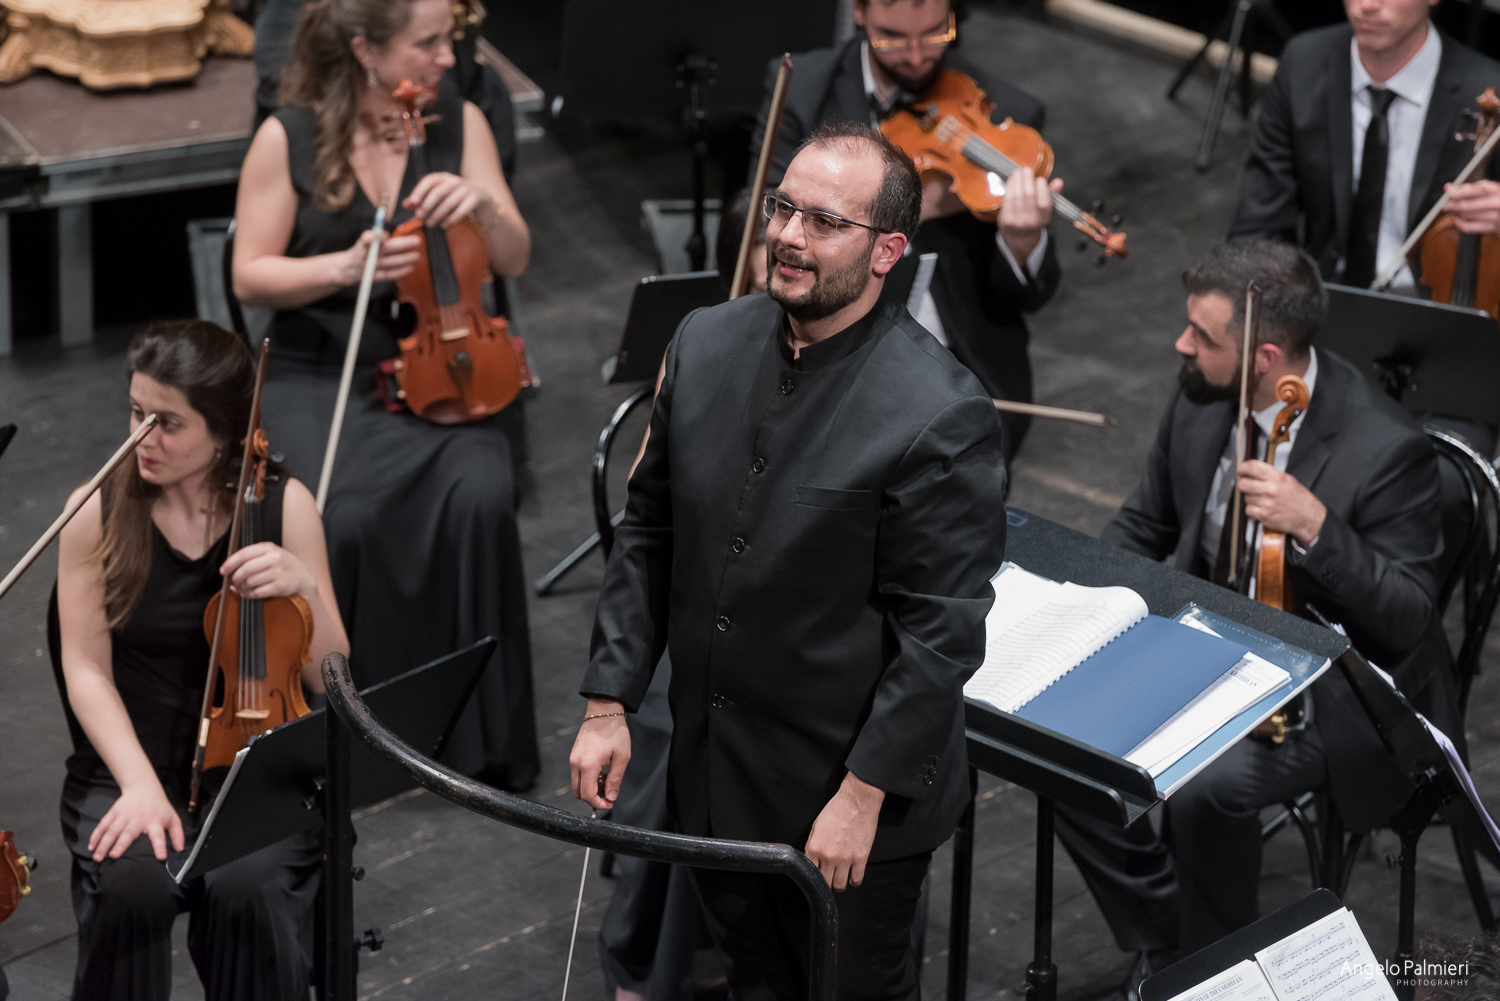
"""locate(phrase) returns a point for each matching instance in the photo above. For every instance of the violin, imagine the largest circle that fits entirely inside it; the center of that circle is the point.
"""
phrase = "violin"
(15, 875)
(951, 135)
(1271, 584)
(459, 363)
(1464, 268)
(258, 646)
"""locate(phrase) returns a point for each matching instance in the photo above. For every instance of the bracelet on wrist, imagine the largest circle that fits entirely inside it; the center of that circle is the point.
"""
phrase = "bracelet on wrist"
(600, 716)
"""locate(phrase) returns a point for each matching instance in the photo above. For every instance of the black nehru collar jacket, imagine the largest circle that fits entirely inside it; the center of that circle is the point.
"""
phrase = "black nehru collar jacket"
(813, 539)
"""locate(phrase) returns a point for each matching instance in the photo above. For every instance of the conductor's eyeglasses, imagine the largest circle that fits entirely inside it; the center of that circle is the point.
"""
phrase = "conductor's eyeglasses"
(930, 42)
(818, 224)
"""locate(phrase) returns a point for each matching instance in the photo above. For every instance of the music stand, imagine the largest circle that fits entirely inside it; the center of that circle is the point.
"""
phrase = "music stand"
(1059, 769)
(272, 790)
(658, 304)
(1434, 771)
(1210, 961)
(1432, 357)
(657, 58)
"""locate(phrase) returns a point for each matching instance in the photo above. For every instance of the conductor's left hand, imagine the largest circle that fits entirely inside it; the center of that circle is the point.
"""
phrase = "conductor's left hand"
(601, 748)
(843, 833)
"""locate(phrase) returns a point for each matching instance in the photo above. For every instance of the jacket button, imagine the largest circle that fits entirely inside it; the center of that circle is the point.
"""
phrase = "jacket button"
(738, 545)
(717, 702)
(723, 623)
(927, 780)
(787, 385)
(758, 466)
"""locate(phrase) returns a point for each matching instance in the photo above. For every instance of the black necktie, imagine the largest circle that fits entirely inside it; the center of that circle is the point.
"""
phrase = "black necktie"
(1364, 220)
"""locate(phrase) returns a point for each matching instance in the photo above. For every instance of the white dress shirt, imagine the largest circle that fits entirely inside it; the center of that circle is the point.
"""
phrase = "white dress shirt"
(926, 312)
(1413, 88)
(1216, 510)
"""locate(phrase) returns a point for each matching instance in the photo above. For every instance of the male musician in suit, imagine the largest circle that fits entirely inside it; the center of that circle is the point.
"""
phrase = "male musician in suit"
(1356, 140)
(1356, 493)
(811, 531)
(982, 277)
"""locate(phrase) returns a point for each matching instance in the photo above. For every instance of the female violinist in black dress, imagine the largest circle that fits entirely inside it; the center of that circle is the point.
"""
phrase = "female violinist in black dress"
(136, 569)
(421, 517)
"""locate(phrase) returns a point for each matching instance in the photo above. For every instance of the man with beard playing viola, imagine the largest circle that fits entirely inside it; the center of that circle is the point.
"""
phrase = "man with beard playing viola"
(983, 276)
(811, 530)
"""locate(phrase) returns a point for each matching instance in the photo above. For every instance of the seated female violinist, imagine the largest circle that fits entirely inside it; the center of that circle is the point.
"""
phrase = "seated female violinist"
(136, 569)
(423, 543)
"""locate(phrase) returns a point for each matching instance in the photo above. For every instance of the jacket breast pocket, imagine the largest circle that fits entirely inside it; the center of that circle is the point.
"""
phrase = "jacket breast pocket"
(835, 500)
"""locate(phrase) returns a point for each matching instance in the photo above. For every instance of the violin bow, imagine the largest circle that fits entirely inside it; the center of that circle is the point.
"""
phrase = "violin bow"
(741, 280)
(1056, 413)
(246, 461)
(1242, 421)
(76, 504)
(356, 330)
(1381, 283)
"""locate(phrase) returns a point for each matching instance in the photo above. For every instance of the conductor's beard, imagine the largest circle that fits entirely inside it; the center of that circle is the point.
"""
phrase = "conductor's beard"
(1196, 387)
(830, 292)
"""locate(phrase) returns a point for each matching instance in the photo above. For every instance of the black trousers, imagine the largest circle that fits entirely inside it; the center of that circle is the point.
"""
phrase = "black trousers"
(250, 929)
(1201, 882)
(761, 922)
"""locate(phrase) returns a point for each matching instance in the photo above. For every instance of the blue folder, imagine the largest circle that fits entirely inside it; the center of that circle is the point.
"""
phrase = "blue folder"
(1126, 691)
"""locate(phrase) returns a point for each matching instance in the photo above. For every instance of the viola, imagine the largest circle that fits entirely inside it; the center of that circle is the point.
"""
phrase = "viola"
(15, 875)
(1464, 268)
(258, 646)
(459, 363)
(951, 135)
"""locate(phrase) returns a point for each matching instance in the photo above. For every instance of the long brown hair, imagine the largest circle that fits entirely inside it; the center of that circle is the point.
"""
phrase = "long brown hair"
(214, 369)
(327, 78)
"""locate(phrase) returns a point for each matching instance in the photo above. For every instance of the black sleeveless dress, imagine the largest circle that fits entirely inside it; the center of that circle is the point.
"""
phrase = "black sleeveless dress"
(250, 931)
(420, 519)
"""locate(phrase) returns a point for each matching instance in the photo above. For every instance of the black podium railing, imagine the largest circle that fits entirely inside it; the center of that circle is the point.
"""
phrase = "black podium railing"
(349, 712)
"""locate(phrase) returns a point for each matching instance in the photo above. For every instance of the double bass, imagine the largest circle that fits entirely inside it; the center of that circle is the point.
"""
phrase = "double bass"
(258, 646)
(459, 363)
(949, 134)
(1272, 585)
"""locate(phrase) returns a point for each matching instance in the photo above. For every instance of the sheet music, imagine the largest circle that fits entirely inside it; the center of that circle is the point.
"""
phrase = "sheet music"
(1241, 982)
(1243, 685)
(1329, 960)
(1465, 779)
(1038, 632)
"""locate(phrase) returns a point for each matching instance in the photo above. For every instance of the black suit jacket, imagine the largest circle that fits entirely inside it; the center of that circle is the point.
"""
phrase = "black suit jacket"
(1374, 567)
(815, 546)
(977, 294)
(1298, 184)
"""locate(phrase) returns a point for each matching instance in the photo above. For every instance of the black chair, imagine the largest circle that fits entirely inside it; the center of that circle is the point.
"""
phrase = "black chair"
(226, 273)
(1471, 556)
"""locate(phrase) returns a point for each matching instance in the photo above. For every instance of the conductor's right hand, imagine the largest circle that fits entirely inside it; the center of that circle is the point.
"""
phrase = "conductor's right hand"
(398, 255)
(601, 749)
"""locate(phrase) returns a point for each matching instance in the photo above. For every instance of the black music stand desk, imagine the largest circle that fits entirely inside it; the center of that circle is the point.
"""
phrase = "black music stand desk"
(1432, 357)
(1059, 769)
(657, 306)
(274, 788)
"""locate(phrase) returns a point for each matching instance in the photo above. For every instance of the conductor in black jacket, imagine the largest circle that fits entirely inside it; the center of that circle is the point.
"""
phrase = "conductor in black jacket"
(811, 531)
(983, 276)
(1356, 493)
(1356, 140)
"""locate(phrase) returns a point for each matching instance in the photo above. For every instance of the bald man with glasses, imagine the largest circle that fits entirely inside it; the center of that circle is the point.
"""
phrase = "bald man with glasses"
(811, 532)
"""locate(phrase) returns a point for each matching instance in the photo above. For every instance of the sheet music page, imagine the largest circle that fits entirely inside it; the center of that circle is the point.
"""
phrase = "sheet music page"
(1030, 647)
(1241, 982)
(1243, 685)
(1329, 960)
(1465, 779)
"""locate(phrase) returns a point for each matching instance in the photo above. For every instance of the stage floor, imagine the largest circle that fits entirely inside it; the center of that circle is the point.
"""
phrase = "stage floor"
(471, 909)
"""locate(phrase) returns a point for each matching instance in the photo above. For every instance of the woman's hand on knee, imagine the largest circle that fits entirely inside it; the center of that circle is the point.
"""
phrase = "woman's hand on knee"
(138, 811)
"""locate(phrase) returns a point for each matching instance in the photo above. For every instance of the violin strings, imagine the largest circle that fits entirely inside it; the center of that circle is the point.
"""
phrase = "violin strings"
(990, 158)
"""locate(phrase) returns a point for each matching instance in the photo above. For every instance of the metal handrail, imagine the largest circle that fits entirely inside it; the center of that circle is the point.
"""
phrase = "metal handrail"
(560, 825)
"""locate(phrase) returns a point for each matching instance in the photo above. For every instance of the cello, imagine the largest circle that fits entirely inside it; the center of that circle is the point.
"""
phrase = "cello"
(459, 363)
(257, 647)
(950, 135)
(1271, 583)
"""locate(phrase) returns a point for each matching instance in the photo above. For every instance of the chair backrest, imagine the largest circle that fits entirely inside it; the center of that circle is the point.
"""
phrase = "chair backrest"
(226, 275)
(1471, 524)
(604, 521)
(54, 654)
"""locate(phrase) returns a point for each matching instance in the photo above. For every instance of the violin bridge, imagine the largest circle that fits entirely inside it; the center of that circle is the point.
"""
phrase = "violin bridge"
(456, 334)
(252, 714)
